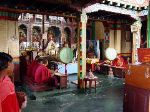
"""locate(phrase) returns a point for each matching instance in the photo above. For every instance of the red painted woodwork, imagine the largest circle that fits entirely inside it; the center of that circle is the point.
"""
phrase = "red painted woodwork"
(137, 89)
(144, 54)
(137, 77)
(136, 99)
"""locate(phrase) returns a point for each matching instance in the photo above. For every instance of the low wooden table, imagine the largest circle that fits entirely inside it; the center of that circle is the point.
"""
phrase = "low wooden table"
(62, 79)
(117, 71)
(90, 82)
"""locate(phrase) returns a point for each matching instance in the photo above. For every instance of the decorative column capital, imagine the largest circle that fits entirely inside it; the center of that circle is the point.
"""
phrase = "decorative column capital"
(83, 17)
(136, 26)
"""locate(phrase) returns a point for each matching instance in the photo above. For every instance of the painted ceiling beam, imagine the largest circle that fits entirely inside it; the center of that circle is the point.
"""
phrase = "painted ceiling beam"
(132, 11)
(137, 3)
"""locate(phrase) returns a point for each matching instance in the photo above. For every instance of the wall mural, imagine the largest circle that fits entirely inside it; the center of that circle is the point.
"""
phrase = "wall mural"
(22, 33)
(36, 37)
(91, 48)
(56, 33)
(36, 34)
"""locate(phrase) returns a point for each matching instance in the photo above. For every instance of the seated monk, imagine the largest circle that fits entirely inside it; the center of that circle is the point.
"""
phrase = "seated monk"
(44, 75)
(119, 62)
(33, 66)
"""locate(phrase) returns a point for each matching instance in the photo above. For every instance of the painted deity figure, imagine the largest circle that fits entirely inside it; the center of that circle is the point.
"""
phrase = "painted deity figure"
(51, 48)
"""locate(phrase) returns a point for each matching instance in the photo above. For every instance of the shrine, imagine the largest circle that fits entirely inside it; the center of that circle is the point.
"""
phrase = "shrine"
(67, 46)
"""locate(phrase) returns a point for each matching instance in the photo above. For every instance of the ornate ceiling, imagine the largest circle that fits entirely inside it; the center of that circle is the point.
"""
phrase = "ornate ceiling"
(72, 8)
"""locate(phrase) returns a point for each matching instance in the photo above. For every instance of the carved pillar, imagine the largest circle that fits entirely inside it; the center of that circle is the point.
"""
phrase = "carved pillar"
(136, 30)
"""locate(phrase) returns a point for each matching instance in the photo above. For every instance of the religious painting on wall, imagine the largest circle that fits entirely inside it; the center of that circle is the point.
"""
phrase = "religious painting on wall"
(23, 44)
(22, 33)
(36, 34)
(91, 46)
(56, 33)
(36, 37)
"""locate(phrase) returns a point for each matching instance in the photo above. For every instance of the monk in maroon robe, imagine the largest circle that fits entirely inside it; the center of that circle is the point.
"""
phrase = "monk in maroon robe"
(119, 62)
(8, 98)
(32, 67)
(44, 75)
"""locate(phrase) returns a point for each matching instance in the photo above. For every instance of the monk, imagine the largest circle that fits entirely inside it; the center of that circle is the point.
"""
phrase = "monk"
(8, 98)
(44, 75)
(32, 67)
(119, 62)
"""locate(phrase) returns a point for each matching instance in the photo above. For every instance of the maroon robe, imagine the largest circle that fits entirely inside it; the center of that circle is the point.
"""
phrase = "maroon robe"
(32, 68)
(8, 99)
(44, 75)
(119, 62)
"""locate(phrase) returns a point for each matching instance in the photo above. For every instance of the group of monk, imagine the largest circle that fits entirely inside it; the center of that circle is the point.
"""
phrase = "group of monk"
(40, 73)
(37, 70)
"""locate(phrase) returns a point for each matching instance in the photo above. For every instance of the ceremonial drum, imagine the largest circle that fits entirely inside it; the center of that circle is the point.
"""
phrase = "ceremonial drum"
(66, 55)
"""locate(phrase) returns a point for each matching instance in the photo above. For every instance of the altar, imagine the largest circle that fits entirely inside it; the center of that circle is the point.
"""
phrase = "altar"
(90, 63)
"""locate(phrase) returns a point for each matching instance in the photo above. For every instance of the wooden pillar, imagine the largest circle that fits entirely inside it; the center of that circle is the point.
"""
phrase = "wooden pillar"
(82, 49)
(83, 43)
(136, 30)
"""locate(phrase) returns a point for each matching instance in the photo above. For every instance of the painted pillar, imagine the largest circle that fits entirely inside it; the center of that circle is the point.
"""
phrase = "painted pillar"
(136, 30)
(82, 51)
(148, 27)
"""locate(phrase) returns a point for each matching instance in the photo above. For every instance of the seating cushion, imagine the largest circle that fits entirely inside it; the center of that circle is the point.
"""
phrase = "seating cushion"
(35, 86)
